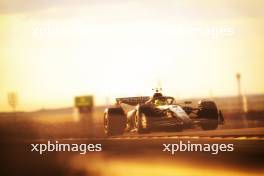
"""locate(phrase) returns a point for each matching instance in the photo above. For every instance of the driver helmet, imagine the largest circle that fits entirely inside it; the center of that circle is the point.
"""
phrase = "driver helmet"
(160, 102)
(157, 95)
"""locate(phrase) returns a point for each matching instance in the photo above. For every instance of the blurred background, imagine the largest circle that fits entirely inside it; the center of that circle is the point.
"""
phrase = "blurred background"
(54, 51)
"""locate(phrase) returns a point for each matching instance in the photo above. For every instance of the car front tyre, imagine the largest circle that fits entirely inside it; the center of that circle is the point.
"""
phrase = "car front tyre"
(114, 122)
(142, 123)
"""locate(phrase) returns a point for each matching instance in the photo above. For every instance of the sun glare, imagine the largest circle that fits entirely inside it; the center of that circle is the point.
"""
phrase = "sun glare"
(50, 60)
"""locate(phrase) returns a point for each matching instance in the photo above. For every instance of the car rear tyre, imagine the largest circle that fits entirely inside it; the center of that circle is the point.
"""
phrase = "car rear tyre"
(208, 111)
(209, 126)
(114, 121)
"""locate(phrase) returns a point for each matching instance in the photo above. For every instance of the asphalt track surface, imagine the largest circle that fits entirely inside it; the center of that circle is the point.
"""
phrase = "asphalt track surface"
(246, 159)
(248, 144)
(222, 134)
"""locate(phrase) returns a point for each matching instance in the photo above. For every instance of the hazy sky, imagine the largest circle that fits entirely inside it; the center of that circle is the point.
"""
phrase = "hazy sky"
(52, 51)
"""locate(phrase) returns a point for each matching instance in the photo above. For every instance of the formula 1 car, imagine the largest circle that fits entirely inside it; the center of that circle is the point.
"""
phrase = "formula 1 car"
(146, 114)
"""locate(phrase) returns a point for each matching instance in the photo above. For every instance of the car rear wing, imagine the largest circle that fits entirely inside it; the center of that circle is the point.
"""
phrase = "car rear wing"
(132, 100)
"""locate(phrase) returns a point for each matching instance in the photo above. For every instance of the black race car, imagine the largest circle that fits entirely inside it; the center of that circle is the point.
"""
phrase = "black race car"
(145, 114)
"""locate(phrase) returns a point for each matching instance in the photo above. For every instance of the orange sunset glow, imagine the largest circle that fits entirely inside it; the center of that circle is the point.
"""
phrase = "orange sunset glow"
(50, 54)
